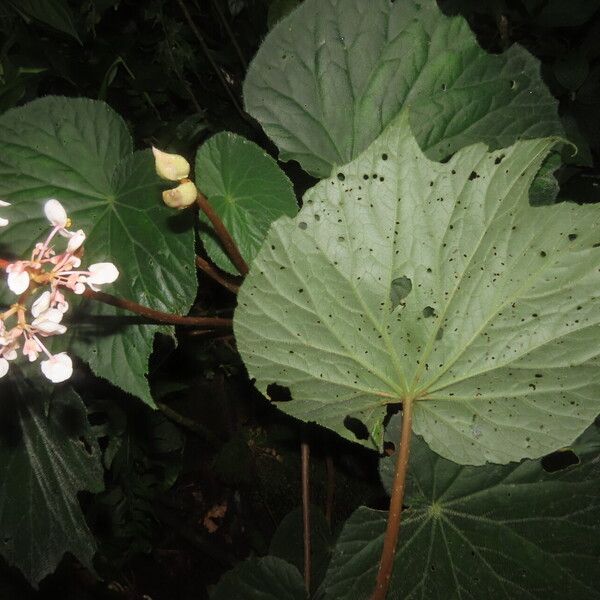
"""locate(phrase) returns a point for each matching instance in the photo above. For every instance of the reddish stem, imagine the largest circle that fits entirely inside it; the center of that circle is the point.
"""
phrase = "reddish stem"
(213, 273)
(150, 313)
(393, 524)
(155, 315)
(228, 242)
(306, 512)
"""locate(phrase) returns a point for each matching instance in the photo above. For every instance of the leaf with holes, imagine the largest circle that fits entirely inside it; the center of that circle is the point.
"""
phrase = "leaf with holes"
(513, 531)
(332, 75)
(248, 191)
(80, 152)
(47, 456)
(496, 337)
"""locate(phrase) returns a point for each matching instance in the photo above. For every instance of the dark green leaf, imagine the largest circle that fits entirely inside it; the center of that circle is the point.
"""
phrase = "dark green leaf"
(288, 542)
(55, 13)
(246, 188)
(511, 531)
(267, 578)
(46, 458)
(80, 152)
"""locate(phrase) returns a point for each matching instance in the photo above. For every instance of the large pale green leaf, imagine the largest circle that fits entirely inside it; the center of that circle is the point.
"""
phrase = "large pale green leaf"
(267, 578)
(332, 75)
(80, 152)
(246, 188)
(47, 456)
(514, 532)
(402, 277)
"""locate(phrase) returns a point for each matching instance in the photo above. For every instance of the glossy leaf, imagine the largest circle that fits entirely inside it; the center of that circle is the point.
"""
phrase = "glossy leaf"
(47, 456)
(511, 531)
(497, 338)
(246, 188)
(80, 152)
(332, 75)
(267, 578)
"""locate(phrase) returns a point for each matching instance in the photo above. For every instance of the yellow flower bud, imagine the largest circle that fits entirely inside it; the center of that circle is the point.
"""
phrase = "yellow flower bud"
(181, 196)
(171, 167)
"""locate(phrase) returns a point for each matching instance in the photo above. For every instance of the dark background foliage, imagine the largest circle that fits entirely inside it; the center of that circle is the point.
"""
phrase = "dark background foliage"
(206, 481)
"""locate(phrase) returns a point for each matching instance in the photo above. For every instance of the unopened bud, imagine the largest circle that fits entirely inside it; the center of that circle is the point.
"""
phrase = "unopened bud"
(183, 195)
(171, 167)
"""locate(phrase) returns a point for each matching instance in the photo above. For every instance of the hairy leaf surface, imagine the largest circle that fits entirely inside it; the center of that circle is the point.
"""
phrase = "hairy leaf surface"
(496, 337)
(80, 152)
(332, 75)
(47, 456)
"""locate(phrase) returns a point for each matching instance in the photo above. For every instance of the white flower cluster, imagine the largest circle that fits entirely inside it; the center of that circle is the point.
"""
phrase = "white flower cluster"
(45, 268)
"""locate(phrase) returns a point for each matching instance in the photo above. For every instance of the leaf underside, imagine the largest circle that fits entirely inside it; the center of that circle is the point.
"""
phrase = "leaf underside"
(497, 338)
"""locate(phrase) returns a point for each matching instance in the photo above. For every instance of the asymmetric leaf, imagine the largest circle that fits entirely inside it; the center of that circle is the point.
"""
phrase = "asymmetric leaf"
(80, 152)
(248, 191)
(514, 532)
(497, 335)
(267, 578)
(47, 456)
(331, 76)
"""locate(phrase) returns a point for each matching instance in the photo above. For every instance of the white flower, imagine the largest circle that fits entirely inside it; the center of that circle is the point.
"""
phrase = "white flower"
(3, 223)
(3, 367)
(101, 273)
(76, 241)
(41, 304)
(18, 281)
(56, 214)
(171, 167)
(48, 322)
(58, 368)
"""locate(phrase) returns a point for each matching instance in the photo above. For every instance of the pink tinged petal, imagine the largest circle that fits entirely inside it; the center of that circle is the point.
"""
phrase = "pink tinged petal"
(58, 368)
(41, 304)
(56, 213)
(79, 288)
(76, 241)
(101, 273)
(3, 367)
(11, 354)
(18, 282)
(4, 203)
(31, 350)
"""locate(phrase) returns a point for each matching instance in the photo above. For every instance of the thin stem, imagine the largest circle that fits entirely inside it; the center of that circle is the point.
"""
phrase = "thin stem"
(155, 315)
(229, 33)
(305, 452)
(393, 524)
(330, 492)
(213, 64)
(150, 313)
(213, 273)
(224, 236)
(189, 424)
